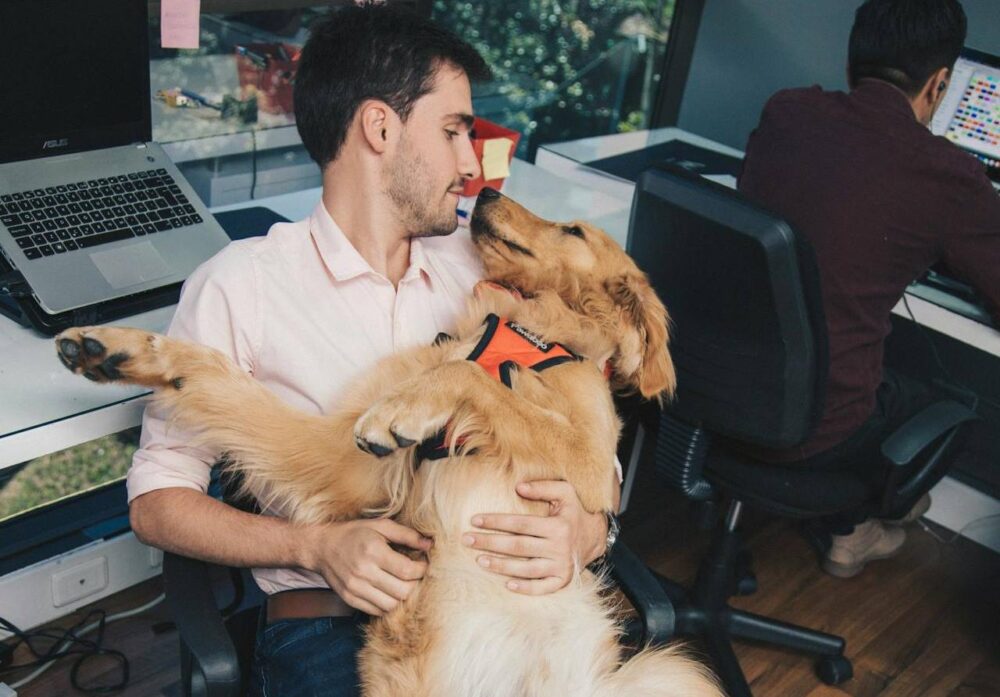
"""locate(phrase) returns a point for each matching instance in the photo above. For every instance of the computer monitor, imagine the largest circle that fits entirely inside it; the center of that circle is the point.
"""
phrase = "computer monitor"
(969, 116)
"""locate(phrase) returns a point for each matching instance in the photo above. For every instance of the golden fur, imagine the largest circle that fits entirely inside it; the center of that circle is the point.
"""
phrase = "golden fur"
(461, 633)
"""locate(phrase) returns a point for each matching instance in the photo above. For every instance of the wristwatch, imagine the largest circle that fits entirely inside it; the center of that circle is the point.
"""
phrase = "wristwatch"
(614, 530)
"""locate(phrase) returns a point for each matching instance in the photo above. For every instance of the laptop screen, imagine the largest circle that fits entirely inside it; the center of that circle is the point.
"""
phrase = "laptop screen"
(74, 75)
(969, 116)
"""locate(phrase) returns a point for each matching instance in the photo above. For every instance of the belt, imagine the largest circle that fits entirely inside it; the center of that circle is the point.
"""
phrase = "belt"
(306, 603)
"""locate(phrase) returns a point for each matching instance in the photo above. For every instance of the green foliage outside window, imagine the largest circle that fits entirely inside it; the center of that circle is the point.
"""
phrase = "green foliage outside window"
(565, 69)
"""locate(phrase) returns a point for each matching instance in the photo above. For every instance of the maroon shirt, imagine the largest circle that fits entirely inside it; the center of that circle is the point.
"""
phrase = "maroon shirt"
(881, 199)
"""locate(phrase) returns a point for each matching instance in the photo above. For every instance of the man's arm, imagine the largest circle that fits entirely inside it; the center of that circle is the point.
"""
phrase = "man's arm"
(972, 249)
(354, 558)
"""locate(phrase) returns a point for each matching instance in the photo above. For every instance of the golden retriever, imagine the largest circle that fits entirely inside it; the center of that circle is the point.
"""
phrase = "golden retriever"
(461, 633)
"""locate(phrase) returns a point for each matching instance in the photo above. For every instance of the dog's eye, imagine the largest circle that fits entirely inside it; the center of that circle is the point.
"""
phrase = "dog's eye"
(574, 230)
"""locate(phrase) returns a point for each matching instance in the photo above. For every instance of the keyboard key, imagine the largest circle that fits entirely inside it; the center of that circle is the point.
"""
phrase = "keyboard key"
(63, 234)
(149, 228)
(37, 227)
(162, 225)
(71, 245)
(38, 239)
(50, 224)
(32, 253)
(113, 236)
(51, 236)
(25, 243)
(9, 220)
(196, 218)
(19, 230)
(186, 220)
(58, 247)
(46, 250)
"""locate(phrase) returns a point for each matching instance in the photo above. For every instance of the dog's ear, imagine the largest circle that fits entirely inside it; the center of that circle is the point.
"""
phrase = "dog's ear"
(643, 360)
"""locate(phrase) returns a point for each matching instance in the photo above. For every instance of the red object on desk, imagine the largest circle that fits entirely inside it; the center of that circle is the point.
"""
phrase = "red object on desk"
(484, 131)
(268, 70)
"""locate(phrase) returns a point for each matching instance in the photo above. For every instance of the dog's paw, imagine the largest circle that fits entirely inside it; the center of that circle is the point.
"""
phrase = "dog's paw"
(106, 354)
(398, 421)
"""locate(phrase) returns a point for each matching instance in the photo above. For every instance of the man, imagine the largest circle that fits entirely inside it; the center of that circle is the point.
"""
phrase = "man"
(881, 199)
(383, 104)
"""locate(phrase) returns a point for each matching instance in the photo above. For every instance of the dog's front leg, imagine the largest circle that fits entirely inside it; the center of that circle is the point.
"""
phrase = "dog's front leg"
(529, 425)
(304, 463)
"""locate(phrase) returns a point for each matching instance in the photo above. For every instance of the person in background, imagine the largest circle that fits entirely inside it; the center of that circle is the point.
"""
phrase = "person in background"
(880, 199)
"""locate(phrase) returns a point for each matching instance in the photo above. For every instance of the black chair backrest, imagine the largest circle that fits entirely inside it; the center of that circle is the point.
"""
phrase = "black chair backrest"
(742, 289)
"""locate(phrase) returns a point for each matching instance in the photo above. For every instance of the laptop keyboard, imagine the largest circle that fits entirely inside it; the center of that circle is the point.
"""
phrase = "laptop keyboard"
(60, 219)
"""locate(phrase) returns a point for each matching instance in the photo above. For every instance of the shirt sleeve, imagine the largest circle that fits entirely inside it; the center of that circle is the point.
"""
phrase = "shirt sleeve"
(972, 250)
(217, 308)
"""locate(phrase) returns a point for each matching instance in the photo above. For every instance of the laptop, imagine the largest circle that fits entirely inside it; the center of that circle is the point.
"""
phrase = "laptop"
(90, 209)
(969, 116)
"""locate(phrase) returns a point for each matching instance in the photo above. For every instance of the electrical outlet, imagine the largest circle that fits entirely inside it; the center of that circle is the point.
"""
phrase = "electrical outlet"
(79, 581)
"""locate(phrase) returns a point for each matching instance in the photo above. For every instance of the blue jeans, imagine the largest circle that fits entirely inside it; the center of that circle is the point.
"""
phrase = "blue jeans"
(308, 658)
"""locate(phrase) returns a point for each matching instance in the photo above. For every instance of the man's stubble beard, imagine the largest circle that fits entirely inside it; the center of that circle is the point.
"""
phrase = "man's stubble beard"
(416, 200)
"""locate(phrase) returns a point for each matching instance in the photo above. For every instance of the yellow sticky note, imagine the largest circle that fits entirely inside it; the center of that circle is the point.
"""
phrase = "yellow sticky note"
(496, 158)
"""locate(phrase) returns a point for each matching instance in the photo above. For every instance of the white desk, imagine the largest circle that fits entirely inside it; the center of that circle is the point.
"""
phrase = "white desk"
(569, 160)
(44, 408)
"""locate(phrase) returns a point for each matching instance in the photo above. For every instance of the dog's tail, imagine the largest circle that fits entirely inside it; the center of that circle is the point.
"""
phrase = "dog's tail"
(660, 672)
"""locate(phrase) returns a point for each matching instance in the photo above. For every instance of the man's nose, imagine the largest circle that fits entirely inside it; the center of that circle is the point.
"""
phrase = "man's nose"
(468, 163)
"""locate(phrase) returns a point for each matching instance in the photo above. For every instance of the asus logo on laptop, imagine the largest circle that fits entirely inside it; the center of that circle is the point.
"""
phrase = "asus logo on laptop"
(56, 143)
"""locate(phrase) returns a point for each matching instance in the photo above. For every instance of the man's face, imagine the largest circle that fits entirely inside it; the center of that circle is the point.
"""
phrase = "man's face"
(434, 156)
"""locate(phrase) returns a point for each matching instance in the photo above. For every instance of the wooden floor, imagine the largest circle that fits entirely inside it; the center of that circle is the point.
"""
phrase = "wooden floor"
(926, 623)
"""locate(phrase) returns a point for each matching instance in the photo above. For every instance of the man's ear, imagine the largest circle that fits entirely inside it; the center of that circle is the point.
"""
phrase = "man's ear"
(933, 92)
(378, 122)
(643, 360)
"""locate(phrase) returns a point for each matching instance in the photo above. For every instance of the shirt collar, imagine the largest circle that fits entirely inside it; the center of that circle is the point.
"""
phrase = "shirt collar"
(343, 261)
(884, 96)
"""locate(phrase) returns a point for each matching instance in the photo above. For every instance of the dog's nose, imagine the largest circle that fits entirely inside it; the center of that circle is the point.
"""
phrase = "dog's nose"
(487, 195)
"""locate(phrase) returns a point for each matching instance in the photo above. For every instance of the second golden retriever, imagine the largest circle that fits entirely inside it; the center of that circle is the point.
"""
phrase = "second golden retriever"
(461, 633)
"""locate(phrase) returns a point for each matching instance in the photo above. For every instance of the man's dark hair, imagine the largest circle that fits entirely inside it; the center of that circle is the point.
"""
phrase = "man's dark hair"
(904, 42)
(370, 52)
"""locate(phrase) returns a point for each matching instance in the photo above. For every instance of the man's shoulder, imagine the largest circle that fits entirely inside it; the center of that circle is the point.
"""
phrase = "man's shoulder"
(237, 257)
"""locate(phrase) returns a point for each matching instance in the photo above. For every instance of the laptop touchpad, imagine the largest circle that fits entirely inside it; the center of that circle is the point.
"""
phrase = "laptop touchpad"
(131, 265)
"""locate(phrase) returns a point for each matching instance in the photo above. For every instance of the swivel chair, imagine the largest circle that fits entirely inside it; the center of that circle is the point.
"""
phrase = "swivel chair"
(750, 348)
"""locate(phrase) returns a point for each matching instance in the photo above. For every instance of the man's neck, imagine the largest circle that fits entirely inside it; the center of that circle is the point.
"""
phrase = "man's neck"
(361, 211)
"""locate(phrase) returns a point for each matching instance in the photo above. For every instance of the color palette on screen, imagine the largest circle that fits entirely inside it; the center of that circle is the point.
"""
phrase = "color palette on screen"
(976, 121)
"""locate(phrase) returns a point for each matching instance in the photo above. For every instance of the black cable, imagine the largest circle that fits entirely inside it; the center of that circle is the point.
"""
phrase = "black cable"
(84, 649)
(253, 179)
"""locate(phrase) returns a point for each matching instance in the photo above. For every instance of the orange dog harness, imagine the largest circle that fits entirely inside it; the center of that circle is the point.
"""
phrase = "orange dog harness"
(504, 347)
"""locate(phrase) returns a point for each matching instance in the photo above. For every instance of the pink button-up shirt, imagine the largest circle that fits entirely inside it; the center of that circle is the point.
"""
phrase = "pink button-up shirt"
(304, 313)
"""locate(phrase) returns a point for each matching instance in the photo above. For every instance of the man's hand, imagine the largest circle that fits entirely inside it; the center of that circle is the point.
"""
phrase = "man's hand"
(540, 554)
(356, 560)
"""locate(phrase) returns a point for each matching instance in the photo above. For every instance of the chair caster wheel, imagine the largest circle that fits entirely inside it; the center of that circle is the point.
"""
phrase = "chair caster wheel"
(834, 670)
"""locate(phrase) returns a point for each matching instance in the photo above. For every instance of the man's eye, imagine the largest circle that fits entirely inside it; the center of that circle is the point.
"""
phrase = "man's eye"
(451, 134)
(574, 230)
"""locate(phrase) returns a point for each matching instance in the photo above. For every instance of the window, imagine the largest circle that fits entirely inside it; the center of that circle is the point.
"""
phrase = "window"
(565, 69)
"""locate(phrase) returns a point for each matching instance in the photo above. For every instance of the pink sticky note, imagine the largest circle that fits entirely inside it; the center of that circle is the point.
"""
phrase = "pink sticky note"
(179, 23)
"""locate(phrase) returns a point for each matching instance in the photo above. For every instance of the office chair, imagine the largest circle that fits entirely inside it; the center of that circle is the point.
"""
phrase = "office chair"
(750, 349)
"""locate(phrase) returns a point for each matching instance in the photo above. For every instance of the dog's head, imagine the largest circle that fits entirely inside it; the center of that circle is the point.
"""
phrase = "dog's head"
(591, 273)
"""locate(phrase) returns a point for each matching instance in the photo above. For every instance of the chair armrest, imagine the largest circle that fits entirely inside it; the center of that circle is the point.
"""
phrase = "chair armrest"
(199, 622)
(922, 429)
(645, 593)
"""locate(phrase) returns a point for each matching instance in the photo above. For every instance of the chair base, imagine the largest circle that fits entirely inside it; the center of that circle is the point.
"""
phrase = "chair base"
(703, 612)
